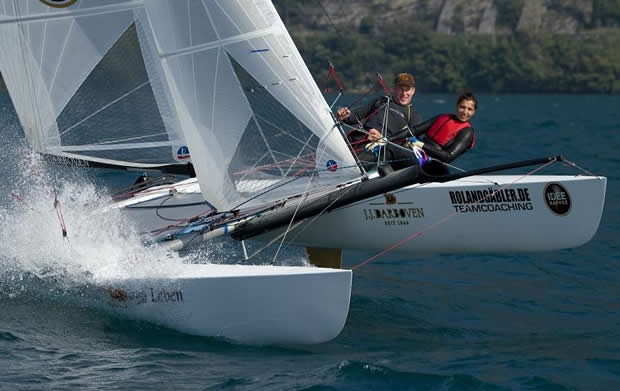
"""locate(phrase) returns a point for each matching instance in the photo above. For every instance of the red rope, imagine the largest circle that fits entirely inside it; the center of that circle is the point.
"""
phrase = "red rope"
(332, 72)
(60, 217)
(20, 199)
(382, 84)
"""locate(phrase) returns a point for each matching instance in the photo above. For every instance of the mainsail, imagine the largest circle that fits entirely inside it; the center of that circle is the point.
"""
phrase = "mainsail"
(248, 106)
(137, 82)
(80, 85)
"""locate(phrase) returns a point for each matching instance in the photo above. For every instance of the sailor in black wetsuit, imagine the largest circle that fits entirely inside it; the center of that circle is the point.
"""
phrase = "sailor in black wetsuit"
(401, 116)
(447, 136)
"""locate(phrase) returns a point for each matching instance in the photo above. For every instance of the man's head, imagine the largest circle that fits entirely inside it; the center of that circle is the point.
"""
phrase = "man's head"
(404, 88)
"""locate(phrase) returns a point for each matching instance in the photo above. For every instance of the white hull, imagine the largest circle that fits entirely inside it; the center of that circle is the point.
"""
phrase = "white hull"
(160, 207)
(248, 304)
(440, 218)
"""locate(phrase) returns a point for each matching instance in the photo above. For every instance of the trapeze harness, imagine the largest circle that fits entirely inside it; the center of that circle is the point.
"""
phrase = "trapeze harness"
(445, 129)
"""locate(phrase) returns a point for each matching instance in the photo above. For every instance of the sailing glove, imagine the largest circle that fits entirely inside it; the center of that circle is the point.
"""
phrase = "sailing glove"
(414, 142)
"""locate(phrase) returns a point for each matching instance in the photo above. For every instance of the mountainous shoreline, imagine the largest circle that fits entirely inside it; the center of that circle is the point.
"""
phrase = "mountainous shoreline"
(507, 46)
(452, 16)
(498, 46)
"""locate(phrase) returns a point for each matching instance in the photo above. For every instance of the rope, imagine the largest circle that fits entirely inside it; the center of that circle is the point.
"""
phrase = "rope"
(445, 219)
(20, 199)
(60, 217)
(332, 72)
(382, 84)
(579, 168)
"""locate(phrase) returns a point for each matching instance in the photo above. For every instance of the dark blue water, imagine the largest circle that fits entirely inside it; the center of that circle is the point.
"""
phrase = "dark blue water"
(544, 321)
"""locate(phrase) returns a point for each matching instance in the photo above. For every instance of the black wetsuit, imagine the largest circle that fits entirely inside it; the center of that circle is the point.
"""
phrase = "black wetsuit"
(399, 119)
(453, 149)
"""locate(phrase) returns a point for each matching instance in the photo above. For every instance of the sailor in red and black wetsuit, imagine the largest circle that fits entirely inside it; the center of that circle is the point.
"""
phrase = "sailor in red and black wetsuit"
(447, 136)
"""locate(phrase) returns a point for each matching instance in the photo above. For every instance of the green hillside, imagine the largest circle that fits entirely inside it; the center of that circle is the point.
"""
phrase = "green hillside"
(501, 46)
(568, 46)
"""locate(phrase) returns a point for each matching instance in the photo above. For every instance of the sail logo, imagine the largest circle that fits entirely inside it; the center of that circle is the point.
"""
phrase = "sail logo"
(59, 3)
(332, 165)
(557, 199)
(183, 153)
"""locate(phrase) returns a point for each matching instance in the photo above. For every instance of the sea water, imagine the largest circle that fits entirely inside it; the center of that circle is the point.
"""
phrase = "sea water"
(541, 321)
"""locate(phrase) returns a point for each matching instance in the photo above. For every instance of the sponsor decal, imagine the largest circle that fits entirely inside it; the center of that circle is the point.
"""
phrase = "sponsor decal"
(491, 200)
(183, 153)
(557, 199)
(121, 298)
(393, 216)
(164, 296)
(67, 161)
(397, 213)
(332, 165)
(59, 3)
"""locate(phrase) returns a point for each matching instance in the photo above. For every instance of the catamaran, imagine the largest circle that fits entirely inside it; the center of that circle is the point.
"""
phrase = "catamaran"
(132, 83)
(217, 90)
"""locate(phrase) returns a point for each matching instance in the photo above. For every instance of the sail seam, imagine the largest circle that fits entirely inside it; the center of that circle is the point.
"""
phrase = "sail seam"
(220, 43)
(60, 57)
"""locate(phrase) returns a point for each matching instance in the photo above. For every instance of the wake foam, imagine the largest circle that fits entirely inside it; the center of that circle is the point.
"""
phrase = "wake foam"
(98, 246)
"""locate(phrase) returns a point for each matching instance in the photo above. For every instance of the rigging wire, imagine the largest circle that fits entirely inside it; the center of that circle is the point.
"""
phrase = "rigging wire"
(579, 168)
(21, 32)
(328, 16)
(306, 195)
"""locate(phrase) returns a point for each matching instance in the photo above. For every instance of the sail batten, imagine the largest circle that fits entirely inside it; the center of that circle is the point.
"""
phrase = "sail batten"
(216, 44)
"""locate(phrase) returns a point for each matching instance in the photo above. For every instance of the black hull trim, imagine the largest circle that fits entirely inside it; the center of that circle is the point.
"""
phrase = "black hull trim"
(173, 168)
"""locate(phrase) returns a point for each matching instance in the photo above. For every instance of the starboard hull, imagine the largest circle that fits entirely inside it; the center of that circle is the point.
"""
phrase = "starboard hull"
(539, 213)
(534, 213)
(242, 303)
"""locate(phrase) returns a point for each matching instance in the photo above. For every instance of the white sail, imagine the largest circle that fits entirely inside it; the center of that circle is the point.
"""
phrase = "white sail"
(80, 85)
(247, 104)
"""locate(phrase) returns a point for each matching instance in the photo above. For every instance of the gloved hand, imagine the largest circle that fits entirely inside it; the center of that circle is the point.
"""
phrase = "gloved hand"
(422, 157)
(374, 147)
(414, 142)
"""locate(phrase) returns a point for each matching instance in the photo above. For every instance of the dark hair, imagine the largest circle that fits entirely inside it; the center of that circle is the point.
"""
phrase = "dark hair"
(467, 95)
